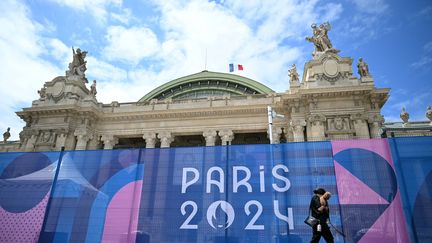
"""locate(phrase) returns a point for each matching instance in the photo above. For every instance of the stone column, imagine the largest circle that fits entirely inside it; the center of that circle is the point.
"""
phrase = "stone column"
(82, 140)
(150, 139)
(61, 141)
(297, 127)
(109, 141)
(210, 137)
(226, 136)
(277, 131)
(83, 136)
(316, 130)
(30, 143)
(166, 138)
(360, 126)
(375, 123)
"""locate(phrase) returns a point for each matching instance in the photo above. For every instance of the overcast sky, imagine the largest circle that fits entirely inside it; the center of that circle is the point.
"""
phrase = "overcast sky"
(135, 46)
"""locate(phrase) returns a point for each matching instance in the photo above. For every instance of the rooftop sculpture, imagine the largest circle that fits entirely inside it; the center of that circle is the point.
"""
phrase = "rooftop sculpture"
(320, 39)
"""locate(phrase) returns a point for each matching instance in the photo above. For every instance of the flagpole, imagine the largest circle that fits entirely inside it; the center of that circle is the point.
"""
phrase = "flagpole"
(205, 63)
(270, 123)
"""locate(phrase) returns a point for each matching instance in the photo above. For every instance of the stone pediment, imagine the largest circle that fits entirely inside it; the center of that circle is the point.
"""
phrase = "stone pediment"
(329, 69)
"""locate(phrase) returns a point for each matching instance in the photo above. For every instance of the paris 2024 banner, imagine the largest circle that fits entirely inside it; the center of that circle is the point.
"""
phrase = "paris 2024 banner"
(381, 192)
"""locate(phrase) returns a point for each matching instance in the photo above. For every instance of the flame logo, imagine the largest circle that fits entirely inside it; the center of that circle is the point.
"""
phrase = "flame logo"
(226, 208)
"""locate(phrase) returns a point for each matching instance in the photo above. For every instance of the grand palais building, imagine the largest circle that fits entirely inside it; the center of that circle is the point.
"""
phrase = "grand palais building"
(329, 102)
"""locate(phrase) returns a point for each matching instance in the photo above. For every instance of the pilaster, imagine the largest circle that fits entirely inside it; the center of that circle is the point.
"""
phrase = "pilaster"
(375, 123)
(297, 127)
(316, 130)
(83, 136)
(360, 126)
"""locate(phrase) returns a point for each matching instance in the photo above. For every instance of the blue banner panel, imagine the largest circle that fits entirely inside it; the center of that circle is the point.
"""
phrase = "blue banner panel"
(253, 193)
(25, 183)
(95, 197)
(413, 159)
(238, 193)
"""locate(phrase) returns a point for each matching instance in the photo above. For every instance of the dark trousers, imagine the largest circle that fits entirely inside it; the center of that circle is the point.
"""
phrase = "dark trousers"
(325, 232)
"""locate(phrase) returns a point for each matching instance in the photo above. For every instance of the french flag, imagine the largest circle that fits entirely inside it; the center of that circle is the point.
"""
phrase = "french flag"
(232, 67)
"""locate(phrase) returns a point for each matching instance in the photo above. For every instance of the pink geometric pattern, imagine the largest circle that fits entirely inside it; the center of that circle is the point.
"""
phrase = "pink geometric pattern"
(391, 225)
(121, 219)
(353, 191)
(22, 227)
(379, 146)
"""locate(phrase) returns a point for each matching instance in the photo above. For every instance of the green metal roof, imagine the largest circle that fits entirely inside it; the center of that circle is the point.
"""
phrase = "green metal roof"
(206, 83)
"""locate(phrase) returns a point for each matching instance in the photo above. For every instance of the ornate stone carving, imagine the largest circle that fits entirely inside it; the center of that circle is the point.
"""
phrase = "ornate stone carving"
(429, 114)
(294, 77)
(338, 123)
(210, 137)
(109, 141)
(320, 39)
(276, 134)
(165, 138)
(375, 123)
(61, 140)
(83, 136)
(363, 69)
(42, 94)
(226, 136)
(46, 137)
(404, 116)
(6, 135)
(297, 127)
(78, 65)
(93, 91)
(317, 119)
(150, 139)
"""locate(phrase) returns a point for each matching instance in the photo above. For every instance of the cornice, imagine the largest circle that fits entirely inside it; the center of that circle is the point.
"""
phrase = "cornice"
(183, 114)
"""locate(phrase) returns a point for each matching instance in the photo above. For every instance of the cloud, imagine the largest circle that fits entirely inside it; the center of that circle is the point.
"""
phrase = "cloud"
(130, 44)
(415, 104)
(97, 8)
(367, 22)
(371, 6)
(24, 69)
(426, 58)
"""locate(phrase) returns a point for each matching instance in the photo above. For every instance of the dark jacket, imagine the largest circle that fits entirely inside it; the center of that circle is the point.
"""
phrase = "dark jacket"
(314, 205)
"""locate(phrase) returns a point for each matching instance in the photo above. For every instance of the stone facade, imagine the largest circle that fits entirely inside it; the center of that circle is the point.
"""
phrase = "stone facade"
(329, 103)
